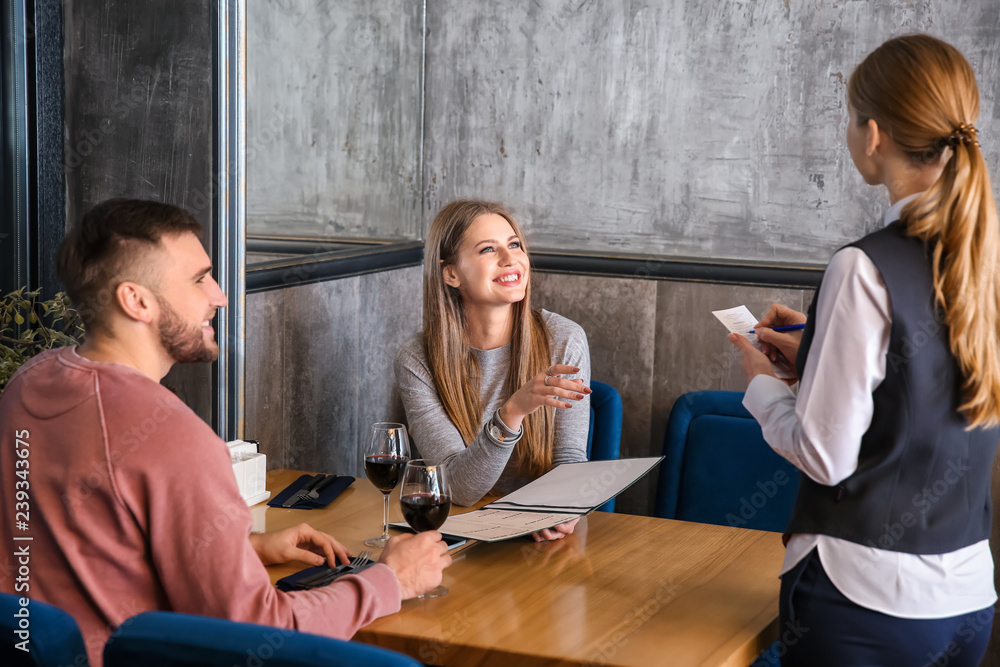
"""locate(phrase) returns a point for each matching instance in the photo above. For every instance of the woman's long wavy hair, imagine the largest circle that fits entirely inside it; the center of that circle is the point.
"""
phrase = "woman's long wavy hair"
(923, 93)
(452, 364)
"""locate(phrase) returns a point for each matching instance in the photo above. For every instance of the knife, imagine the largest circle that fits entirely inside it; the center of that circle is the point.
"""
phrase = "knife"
(318, 489)
(294, 498)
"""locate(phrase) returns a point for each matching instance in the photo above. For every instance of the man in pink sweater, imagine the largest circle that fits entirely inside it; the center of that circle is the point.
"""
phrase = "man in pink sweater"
(130, 501)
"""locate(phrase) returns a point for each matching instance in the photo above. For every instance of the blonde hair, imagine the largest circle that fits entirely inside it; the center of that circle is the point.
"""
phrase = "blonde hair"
(453, 366)
(923, 93)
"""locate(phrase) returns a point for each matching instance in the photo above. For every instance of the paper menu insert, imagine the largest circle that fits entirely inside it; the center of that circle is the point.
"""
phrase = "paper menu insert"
(741, 321)
(494, 525)
(566, 492)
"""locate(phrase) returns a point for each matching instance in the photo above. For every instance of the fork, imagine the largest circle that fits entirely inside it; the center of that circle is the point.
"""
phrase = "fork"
(361, 559)
(311, 491)
(324, 578)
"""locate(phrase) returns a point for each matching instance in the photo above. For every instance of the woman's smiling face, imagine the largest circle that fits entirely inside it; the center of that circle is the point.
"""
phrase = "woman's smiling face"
(491, 266)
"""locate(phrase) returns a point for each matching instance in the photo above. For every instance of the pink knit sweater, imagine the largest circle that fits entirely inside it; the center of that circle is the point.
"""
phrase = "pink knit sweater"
(134, 507)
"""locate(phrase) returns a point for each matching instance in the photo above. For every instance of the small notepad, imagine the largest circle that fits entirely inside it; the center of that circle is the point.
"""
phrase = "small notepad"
(741, 321)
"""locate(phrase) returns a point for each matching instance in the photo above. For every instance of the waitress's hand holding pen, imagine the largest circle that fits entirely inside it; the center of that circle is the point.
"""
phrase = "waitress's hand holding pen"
(776, 343)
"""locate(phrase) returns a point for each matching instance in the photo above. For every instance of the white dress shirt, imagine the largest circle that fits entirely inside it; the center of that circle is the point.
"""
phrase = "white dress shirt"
(820, 432)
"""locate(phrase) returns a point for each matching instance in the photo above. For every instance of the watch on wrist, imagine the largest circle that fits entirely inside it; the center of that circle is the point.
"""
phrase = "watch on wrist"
(507, 430)
(500, 433)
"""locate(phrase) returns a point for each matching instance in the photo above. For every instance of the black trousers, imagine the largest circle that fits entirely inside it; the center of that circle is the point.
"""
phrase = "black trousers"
(822, 628)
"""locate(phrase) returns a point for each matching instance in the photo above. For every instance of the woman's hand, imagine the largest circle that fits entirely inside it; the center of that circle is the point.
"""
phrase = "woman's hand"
(555, 532)
(776, 344)
(301, 542)
(546, 388)
(781, 316)
(754, 361)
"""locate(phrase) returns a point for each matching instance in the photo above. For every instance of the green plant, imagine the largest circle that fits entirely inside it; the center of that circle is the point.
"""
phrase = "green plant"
(51, 323)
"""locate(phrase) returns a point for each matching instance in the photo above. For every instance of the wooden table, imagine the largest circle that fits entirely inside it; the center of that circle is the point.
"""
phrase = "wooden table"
(623, 590)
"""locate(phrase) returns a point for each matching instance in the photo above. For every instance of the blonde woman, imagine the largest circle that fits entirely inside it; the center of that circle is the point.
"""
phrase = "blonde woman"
(894, 424)
(486, 386)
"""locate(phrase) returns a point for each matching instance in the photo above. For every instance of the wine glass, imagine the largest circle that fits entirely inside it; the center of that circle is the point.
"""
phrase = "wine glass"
(386, 454)
(426, 501)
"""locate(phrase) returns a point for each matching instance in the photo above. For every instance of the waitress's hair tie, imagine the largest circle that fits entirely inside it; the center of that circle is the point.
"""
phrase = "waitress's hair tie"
(963, 134)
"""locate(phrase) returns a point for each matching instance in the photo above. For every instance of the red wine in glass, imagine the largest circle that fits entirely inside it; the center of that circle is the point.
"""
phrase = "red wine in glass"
(425, 500)
(425, 511)
(385, 456)
(384, 470)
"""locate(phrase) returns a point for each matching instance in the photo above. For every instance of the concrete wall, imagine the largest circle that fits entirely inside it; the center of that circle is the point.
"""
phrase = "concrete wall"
(664, 128)
(333, 116)
(319, 366)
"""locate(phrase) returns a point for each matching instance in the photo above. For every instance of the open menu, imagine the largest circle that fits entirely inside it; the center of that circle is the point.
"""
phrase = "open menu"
(565, 493)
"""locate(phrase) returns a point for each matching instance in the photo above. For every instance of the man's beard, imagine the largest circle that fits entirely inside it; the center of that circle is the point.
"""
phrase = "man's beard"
(184, 343)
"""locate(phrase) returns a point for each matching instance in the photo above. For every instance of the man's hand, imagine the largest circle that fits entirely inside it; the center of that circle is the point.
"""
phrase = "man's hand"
(754, 361)
(555, 532)
(301, 542)
(417, 560)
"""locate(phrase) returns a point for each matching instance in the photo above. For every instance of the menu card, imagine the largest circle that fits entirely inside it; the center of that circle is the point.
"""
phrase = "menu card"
(564, 493)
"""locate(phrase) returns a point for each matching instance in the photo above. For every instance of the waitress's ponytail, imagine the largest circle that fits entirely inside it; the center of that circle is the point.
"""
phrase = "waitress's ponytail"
(923, 93)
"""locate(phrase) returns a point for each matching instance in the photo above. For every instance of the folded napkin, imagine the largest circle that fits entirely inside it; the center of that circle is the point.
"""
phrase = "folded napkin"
(326, 496)
(300, 580)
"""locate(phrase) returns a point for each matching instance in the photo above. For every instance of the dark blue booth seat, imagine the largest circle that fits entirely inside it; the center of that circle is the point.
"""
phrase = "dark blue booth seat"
(718, 468)
(605, 437)
(166, 639)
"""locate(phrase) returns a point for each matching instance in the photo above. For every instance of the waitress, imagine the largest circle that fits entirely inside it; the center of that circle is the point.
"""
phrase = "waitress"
(894, 424)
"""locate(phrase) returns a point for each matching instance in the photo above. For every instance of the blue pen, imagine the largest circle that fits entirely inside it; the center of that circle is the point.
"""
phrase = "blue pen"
(790, 327)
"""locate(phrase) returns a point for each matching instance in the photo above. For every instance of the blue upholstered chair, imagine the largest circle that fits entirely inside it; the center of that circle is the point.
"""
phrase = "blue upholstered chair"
(166, 639)
(605, 438)
(718, 468)
(53, 636)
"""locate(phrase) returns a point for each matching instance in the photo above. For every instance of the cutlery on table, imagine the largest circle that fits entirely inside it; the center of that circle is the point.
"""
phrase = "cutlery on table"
(327, 576)
(316, 490)
(292, 499)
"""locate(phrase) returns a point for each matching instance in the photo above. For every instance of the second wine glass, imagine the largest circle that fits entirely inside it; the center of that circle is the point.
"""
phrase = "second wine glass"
(426, 501)
(386, 454)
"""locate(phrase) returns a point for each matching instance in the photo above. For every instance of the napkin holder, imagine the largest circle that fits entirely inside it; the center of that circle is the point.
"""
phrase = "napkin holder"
(250, 469)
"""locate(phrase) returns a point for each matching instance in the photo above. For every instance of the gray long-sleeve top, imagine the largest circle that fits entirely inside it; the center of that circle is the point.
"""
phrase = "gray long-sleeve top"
(482, 466)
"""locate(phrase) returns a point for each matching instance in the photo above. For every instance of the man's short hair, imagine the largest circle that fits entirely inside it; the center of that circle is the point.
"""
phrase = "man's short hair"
(110, 245)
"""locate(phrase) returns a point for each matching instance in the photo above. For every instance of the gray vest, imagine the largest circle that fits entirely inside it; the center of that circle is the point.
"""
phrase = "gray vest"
(922, 485)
